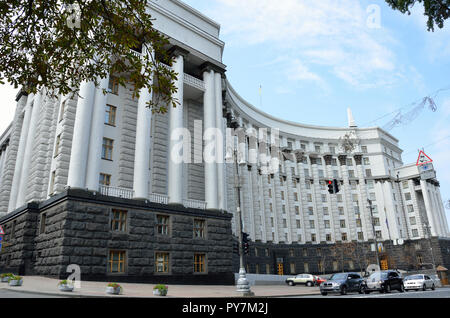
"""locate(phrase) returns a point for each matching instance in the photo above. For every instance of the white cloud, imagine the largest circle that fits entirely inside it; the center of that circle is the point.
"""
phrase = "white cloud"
(327, 33)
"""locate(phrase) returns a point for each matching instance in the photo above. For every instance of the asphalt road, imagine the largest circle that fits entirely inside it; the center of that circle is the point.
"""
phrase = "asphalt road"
(438, 293)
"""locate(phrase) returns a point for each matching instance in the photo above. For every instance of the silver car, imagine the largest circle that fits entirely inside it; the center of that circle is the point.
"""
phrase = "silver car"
(418, 281)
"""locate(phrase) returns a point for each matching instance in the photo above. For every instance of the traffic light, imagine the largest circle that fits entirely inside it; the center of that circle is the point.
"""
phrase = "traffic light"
(245, 244)
(333, 187)
(336, 186)
(330, 187)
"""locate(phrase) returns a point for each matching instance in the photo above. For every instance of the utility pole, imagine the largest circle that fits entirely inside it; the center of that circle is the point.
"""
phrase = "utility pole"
(374, 233)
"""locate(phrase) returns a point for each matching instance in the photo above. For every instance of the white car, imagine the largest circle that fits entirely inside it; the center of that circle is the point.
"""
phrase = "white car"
(418, 281)
(306, 279)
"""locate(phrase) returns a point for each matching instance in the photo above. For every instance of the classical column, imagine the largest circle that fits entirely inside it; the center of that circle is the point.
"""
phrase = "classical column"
(428, 207)
(20, 153)
(96, 137)
(175, 165)
(209, 115)
(23, 185)
(220, 145)
(81, 133)
(142, 147)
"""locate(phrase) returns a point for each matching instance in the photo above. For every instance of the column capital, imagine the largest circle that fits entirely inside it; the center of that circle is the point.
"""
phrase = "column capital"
(178, 51)
(208, 66)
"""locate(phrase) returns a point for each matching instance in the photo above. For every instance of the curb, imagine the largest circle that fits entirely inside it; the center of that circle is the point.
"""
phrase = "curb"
(71, 295)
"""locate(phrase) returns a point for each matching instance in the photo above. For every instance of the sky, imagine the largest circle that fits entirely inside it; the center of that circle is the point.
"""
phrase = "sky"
(314, 59)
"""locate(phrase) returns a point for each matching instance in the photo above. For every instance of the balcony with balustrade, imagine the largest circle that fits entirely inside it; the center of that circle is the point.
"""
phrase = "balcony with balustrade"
(125, 193)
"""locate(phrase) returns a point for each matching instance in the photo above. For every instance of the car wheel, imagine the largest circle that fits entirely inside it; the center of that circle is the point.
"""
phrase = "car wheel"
(362, 289)
(433, 287)
(367, 292)
(344, 290)
(291, 284)
(309, 284)
(402, 288)
(324, 294)
(424, 288)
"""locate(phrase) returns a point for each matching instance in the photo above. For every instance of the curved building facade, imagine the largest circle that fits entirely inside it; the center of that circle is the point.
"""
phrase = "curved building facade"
(113, 148)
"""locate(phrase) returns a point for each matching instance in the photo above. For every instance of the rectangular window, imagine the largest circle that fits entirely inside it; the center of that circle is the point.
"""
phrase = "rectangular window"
(267, 269)
(270, 193)
(57, 143)
(118, 220)
(199, 263)
(308, 185)
(162, 225)
(324, 198)
(342, 223)
(282, 195)
(405, 185)
(305, 252)
(61, 110)
(351, 173)
(344, 236)
(415, 233)
(358, 223)
(310, 210)
(295, 196)
(412, 221)
(162, 262)
(376, 221)
(349, 162)
(366, 161)
(378, 234)
(410, 208)
(110, 115)
(311, 224)
(341, 210)
(43, 223)
(298, 224)
(107, 148)
(309, 196)
(317, 148)
(332, 150)
(327, 224)
(52, 182)
(283, 208)
(199, 228)
(313, 237)
(305, 267)
(292, 268)
(355, 197)
(113, 86)
(364, 149)
(361, 236)
(116, 262)
(307, 174)
(321, 175)
(105, 179)
(368, 172)
(325, 211)
(328, 237)
(339, 197)
(297, 210)
(370, 184)
(407, 196)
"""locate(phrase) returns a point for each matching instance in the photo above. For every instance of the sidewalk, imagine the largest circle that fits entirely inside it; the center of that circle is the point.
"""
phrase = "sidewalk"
(48, 286)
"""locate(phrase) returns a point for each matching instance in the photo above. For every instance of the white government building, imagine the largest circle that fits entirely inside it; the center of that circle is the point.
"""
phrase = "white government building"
(113, 144)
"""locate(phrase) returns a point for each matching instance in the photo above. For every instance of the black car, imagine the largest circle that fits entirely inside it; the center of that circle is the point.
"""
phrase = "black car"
(343, 283)
(384, 282)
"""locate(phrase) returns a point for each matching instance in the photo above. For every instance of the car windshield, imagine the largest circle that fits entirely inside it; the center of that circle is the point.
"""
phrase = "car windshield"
(338, 276)
(414, 277)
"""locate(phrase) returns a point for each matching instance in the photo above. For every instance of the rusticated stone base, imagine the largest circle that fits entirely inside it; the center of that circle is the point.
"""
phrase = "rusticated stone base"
(78, 231)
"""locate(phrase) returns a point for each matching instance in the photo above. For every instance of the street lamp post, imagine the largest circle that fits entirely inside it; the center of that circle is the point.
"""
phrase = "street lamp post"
(374, 232)
(427, 227)
(243, 286)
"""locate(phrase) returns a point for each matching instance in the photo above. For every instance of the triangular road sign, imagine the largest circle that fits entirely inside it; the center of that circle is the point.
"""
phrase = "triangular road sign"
(1, 231)
(423, 159)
